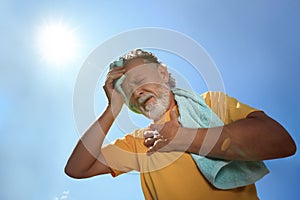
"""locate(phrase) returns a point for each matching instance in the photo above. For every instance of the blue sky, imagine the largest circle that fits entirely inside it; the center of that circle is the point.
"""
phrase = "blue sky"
(254, 44)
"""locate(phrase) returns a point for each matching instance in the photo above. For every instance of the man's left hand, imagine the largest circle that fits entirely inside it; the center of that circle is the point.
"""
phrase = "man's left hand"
(159, 136)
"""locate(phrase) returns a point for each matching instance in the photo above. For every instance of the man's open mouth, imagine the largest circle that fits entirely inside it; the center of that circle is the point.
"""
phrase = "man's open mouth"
(144, 99)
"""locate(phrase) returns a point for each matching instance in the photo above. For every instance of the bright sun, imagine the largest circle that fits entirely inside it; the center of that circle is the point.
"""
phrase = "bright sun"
(57, 43)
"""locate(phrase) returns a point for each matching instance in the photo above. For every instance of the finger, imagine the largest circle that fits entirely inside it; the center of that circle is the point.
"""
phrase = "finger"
(150, 133)
(115, 75)
(158, 144)
(116, 70)
(152, 137)
(149, 142)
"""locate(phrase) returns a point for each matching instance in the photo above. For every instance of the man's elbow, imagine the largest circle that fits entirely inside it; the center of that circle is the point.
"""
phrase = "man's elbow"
(282, 139)
(291, 148)
(73, 174)
(91, 172)
(287, 146)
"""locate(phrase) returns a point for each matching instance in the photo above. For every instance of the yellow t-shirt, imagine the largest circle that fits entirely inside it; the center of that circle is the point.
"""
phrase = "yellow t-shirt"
(175, 175)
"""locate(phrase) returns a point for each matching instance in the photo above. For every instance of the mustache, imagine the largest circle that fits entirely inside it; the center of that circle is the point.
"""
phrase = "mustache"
(144, 98)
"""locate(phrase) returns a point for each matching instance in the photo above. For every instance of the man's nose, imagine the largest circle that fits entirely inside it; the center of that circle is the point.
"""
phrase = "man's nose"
(138, 92)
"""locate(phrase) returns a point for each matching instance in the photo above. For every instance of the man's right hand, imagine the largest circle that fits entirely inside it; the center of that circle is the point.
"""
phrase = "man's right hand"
(87, 160)
(115, 99)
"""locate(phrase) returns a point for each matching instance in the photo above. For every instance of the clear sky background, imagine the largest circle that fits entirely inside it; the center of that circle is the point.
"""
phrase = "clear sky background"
(255, 45)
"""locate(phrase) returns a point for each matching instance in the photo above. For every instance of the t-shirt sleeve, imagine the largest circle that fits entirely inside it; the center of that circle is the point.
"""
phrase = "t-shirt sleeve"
(121, 155)
(227, 108)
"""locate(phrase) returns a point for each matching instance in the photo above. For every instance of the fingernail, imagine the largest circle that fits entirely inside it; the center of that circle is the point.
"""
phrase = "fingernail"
(149, 153)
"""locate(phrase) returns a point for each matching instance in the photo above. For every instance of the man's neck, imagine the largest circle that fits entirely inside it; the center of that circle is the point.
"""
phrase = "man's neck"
(165, 117)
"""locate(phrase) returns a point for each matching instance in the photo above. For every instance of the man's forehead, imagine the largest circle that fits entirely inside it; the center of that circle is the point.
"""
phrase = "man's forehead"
(140, 68)
(139, 72)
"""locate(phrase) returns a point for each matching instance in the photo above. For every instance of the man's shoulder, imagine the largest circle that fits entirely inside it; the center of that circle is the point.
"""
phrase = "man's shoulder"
(210, 94)
(213, 96)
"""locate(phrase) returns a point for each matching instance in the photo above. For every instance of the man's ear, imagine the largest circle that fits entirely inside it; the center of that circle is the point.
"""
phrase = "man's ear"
(163, 72)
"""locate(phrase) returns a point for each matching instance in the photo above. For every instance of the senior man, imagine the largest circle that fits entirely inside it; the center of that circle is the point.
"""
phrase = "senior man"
(198, 147)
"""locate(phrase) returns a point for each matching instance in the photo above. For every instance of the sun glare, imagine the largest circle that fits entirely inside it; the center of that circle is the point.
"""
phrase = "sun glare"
(57, 43)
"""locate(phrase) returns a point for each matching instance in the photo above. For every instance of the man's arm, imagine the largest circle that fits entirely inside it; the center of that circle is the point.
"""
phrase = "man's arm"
(256, 137)
(86, 159)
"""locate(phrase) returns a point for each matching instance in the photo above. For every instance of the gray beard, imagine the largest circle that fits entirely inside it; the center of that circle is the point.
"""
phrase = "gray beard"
(156, 110)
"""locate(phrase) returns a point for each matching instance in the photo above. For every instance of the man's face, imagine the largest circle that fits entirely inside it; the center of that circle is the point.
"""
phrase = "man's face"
(146, 87)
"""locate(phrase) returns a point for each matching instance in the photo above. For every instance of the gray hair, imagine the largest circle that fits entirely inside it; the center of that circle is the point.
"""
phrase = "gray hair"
(148, 58)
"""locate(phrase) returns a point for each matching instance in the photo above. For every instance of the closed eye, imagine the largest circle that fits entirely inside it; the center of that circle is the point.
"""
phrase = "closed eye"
(129, 86)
